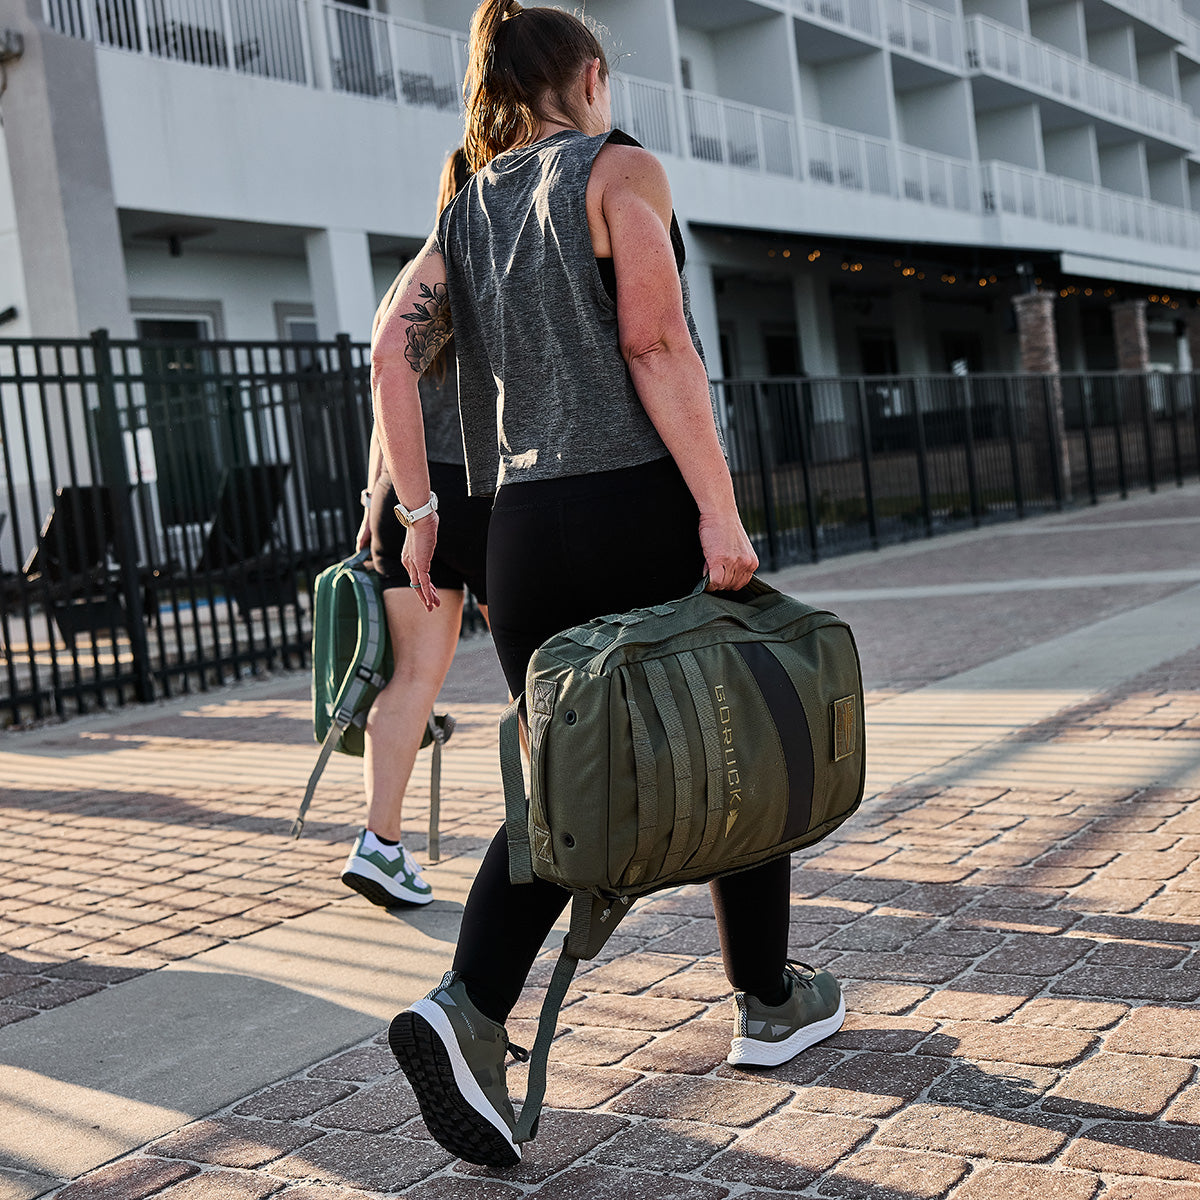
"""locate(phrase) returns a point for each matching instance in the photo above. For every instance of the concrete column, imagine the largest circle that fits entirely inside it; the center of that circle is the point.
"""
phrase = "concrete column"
(1038, 341)
(1193, 337)
(814, 324)
(1131, 336)
(63, 212)
(908, 324)
(702, 296)
(343, 285)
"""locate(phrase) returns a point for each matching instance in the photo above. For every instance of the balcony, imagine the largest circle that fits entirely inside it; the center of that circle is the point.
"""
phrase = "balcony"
(393, 59)
(858, 162)
(646, 110)
(854, 16)
(269, 38)
(1016, 191)
(924, 32)
(1189, 35)
(1163, 15)
(740, 135)
(1004, 53)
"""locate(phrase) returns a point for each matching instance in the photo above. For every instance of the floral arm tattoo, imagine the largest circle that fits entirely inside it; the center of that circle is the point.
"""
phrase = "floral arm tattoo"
(430, 328)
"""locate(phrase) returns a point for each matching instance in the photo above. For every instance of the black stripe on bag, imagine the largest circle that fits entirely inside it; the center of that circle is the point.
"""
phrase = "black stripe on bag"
(788, 714)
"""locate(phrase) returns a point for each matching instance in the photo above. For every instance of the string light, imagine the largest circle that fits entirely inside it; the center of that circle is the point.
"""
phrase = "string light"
(814, 256)
(787, 254)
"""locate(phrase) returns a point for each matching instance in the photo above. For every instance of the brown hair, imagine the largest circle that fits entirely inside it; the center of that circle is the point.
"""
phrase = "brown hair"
(519, 61)
(452, 179)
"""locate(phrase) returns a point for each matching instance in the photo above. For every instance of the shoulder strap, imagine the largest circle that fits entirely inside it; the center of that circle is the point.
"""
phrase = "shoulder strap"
(336, 728)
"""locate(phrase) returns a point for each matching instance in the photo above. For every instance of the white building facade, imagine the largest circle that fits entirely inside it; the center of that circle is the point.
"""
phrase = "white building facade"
(865, 185)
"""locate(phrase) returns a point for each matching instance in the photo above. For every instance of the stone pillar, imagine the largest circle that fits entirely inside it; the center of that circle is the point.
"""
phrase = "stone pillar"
(1131, 336)
(1036, 334)
(1038, 342)
(342, 282)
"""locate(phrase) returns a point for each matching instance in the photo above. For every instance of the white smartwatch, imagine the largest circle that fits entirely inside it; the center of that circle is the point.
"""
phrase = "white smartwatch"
(409, 517)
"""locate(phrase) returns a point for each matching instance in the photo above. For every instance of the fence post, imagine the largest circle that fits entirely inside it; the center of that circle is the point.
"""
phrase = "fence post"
(922, 462)
(115, 474)
(356, 466)
(1052, 433)
(766, 481)
(1148, 433)
(1014, 450)
(864, 445)
(810, 509)
(1085, 416)
(969, 447)
(1176, 447)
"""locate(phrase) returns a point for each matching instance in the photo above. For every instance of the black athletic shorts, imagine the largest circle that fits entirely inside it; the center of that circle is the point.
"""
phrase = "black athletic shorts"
(460, 559)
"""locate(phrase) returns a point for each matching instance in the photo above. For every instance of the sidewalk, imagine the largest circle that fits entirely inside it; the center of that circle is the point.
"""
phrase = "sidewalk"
(193, 1007)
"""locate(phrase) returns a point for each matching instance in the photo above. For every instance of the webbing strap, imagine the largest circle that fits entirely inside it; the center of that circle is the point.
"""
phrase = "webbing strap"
(332, 736)
(681, 762)
(516, 805)
(594, 639)
(564, 972)
(647, 787)
(711, 737)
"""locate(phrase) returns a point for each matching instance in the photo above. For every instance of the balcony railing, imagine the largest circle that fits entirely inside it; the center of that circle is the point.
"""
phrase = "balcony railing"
(861, 16)
(858, 162)
(646, 110)
(1017, 191)
(740, 135)
(923, 31)
(1189, 35)
(995, 49)
(1163, 15)
(252, 37)
(388, 58)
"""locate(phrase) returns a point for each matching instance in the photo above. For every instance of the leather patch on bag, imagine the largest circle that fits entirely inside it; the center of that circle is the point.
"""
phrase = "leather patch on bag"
(543, 697)
(845, 728)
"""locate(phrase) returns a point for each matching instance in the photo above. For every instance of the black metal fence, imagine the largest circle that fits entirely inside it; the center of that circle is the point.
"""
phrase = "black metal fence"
(826, 466)
(164, 507)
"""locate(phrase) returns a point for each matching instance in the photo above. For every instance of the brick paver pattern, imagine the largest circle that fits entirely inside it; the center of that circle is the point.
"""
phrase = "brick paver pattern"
(1021, 971)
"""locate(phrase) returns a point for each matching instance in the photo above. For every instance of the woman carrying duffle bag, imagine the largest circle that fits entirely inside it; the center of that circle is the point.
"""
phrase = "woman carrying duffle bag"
(585, 406)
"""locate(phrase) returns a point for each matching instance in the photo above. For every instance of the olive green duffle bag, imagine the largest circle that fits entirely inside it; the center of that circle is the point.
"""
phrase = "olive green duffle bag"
(671, 745)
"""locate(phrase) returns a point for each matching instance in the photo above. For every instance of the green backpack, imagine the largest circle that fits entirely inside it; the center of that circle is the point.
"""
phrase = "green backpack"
(351, 662)
(671, 745)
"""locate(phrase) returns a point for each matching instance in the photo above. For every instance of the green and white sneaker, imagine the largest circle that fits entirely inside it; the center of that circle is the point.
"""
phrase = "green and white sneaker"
(454, 1058)
(386, 875)
(768, 1037)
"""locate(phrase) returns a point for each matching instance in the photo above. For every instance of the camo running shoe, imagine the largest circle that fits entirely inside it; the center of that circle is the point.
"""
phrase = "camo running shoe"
(454, 1058)
(767, 1037)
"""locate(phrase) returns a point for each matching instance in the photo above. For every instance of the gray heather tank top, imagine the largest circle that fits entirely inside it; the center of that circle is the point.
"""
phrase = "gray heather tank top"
(543, 389)
(439, 413)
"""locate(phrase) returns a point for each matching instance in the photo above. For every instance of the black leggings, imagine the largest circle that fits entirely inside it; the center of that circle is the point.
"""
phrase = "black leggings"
(561, 552)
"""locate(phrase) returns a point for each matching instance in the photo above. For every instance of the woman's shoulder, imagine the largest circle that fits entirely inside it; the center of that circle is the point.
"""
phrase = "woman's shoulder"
(625, 166)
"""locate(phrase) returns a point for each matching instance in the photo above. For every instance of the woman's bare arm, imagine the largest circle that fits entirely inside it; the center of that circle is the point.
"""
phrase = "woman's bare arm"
(413, 328)
(629, 189)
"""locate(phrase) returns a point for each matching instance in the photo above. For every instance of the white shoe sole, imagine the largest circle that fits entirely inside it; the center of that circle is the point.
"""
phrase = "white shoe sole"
(358, 868)
(750, 1052)
(464, 1080)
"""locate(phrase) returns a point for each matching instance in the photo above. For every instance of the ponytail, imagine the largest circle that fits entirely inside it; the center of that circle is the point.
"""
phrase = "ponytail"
(518, 60)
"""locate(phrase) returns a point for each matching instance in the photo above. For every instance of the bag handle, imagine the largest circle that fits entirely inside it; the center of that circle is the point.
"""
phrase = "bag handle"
(756, 587)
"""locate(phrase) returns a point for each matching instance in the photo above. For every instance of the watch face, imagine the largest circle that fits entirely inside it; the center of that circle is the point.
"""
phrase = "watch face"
(402, 516)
